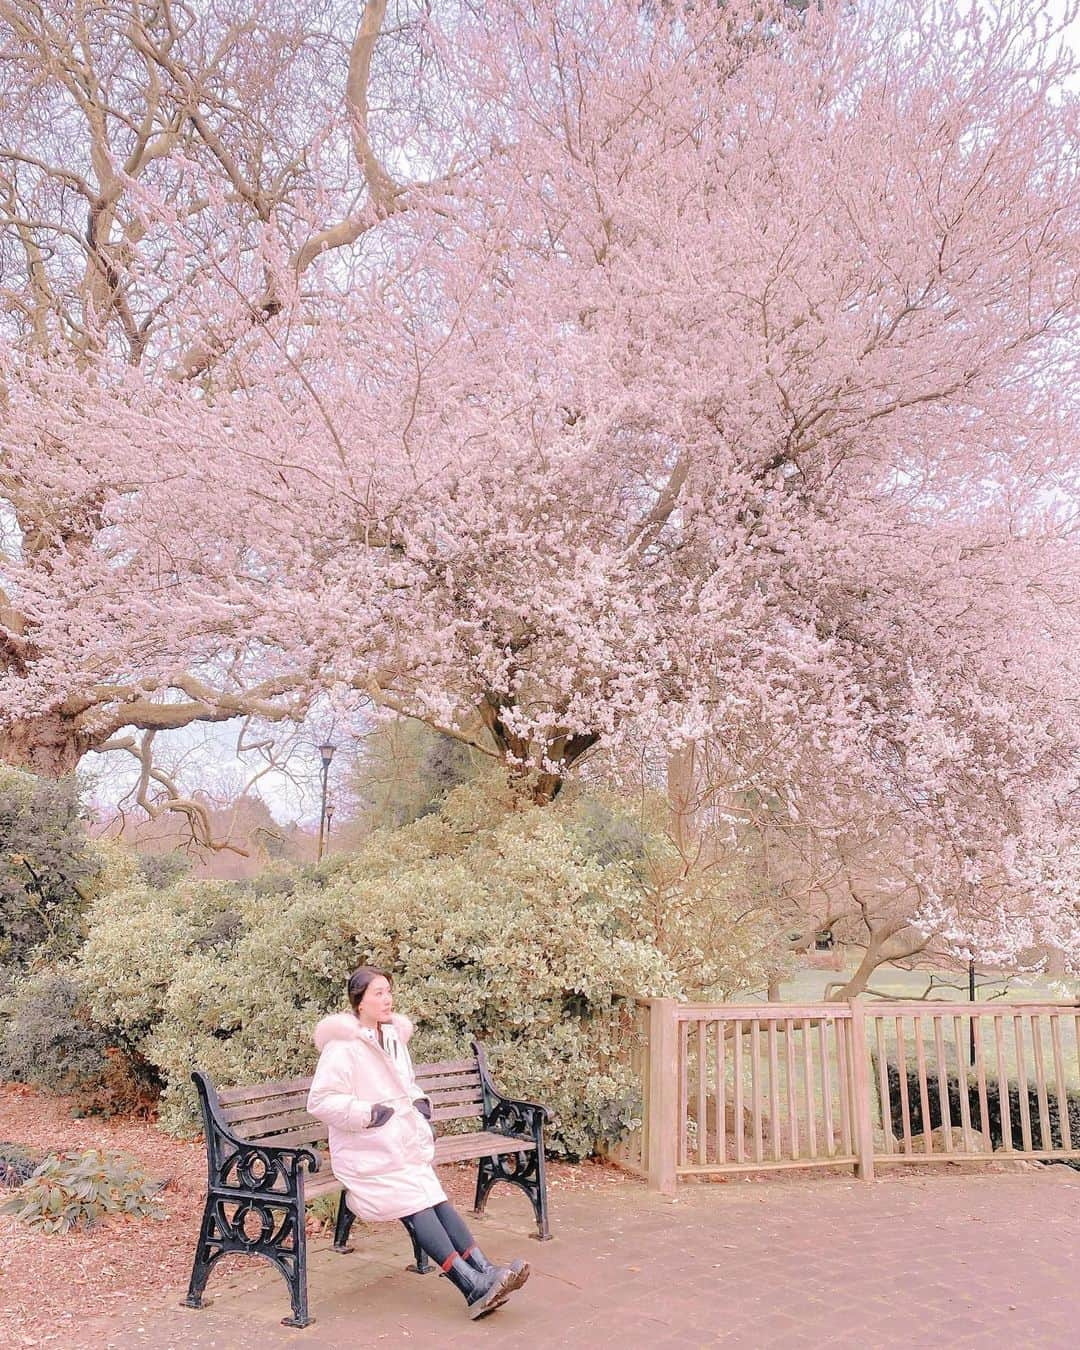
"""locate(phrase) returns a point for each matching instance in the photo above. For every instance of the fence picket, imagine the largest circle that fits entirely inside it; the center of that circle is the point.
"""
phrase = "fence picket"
(721, 1095)
(1045, 1139)
(774, 1092)
(942, 1084)
(755, 1083)
(905, 1104)
(1065, 1125)
(1004, 1106)
(684, 1110)
(839, 1028)
(826, 1086)
(924, 1089)
(962, 1084)
(789, 1064)
(980, 1068)
(808, 1088)
(1022, 1082)
(884, 1095)
(740, 1152)
(702, 1110)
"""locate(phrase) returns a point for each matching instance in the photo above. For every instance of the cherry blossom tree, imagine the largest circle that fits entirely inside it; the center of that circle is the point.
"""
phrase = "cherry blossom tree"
(635, 374)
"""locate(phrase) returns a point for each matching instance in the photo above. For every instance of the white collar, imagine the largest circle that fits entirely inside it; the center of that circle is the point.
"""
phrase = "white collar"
(371, 1034)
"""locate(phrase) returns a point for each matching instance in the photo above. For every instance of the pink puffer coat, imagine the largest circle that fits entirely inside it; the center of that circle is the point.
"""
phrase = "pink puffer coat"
(386, 1169)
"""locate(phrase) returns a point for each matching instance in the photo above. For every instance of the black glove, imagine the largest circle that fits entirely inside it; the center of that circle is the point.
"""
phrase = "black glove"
(423, 1106)
(380, 1114)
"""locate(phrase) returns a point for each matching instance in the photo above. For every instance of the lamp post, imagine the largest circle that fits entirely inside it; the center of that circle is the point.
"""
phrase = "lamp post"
(326, 754)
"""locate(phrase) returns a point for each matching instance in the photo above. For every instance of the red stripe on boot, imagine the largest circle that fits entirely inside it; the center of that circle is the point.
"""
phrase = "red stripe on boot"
(445, 1267)
(466, 1254)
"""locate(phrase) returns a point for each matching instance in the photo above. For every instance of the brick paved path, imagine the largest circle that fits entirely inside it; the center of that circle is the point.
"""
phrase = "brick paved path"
(938, 1260)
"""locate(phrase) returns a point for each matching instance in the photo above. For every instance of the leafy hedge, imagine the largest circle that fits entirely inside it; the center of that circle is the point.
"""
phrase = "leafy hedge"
(533, 929)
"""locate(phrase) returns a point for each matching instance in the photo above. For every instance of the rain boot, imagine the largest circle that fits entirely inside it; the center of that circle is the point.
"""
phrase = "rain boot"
(483, 1291)
(519, 1270)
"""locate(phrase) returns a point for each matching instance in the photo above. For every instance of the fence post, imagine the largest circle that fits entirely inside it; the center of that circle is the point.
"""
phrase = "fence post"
(663, 1132)
(860, 1092)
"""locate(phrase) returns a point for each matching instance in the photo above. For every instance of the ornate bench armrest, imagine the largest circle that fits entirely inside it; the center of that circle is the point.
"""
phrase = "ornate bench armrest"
(507, 1115)
(242, 1164)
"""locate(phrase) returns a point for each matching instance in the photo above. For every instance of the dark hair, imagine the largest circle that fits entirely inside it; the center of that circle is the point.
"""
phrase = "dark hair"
(359, 981)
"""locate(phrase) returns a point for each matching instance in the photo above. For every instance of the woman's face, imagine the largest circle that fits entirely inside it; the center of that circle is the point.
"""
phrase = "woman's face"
(378, 1001)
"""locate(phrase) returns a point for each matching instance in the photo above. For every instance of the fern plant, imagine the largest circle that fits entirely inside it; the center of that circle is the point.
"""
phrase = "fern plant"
(73, 1190)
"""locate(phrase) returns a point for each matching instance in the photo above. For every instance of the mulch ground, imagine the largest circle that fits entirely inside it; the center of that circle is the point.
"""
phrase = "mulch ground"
(51, 1283)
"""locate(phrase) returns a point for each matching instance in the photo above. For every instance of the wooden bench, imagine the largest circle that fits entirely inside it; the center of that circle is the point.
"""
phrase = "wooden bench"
(261, 1142)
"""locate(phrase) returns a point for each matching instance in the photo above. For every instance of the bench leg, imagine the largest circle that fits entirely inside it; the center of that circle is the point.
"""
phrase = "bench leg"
(536, 1189)
(205, 1256)
(297, 1279)
(526, 1171)
(486, 1176)
(345, 1220)
(421, 1265)
(221, 1232)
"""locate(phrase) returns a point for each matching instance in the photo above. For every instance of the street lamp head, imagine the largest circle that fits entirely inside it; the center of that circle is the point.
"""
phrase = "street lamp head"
(326, 752)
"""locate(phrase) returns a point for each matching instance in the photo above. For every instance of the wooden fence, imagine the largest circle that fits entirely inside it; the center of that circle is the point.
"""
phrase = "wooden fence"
(759, 1087)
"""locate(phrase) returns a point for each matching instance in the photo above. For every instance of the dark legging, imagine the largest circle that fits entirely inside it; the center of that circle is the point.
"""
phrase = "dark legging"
(441, 1232)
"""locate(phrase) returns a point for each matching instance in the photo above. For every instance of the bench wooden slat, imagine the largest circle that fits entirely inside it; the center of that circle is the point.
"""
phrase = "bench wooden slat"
(446, 1067)
(478, 1144)
(435, 1082)
(314, 1132)
(258, 1091)
(451, 1148)
(455, 1112)
(467, 1092)
(321, 1185)
(452, 1070)
(269, 1106)
(294, 1120)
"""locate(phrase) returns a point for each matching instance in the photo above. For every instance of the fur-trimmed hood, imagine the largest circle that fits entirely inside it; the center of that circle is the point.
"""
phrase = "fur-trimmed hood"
(346, 1027)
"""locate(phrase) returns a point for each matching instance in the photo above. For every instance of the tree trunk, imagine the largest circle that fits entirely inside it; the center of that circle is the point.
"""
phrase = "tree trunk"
(682, 799)
(538, 786)
(49, 746)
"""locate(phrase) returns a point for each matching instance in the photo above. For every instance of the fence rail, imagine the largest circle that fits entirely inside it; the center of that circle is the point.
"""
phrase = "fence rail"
(766, 1086)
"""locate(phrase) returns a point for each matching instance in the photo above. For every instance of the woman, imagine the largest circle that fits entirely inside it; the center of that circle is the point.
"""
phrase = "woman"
(381, 1144)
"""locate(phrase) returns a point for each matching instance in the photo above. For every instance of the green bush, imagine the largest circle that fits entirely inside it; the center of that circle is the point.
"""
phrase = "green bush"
(518, 925)
(50, 1039)
(73, 1190)
(45, 860)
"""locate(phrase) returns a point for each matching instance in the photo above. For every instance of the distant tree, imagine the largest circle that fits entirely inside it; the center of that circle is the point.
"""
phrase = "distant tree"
(403, 771)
